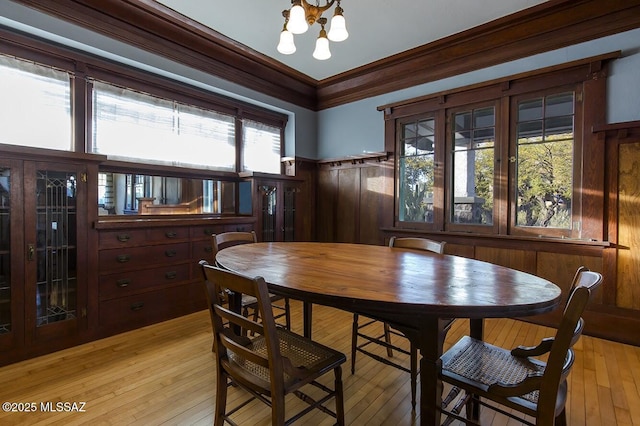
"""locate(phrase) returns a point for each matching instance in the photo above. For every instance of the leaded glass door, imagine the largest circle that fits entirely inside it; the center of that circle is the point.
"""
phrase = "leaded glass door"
(11, 279)
(55, 207)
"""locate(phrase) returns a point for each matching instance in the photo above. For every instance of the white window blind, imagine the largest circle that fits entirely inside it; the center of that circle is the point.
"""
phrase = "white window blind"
(130, 125)
(35, 105)
(261, 144)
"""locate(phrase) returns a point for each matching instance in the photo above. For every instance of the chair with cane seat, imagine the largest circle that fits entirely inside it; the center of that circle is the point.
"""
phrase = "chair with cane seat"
(498, 378)
(274, 362)
(363, 328)
(249, 304)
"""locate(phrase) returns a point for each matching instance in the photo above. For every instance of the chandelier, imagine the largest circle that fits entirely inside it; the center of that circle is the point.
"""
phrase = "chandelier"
(302, 15)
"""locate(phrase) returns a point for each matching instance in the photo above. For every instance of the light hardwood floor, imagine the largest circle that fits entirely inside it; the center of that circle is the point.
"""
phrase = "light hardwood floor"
(164, 375)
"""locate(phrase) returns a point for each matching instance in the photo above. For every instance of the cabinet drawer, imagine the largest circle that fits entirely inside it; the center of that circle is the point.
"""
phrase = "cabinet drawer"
(127, 283)
(238, 227)
(119, 259)
(204, 232)
(167, 235)
(122, 238)
(202, 250)
(141, 237)
(146, 308)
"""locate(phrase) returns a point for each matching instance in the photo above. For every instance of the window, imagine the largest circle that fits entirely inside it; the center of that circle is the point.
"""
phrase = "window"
(416, 161)
(132, 125)
(473, 136)
(544, 161)
(261, 147)
(507, 158)
(31, 92)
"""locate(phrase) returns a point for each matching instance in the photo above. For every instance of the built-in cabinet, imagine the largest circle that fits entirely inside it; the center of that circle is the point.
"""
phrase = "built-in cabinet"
(43, 252)
(69, 273)
(277, 205)
(148, 269)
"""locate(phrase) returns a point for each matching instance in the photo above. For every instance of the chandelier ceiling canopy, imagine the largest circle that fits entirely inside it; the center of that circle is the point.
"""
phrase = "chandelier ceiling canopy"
(301, 16)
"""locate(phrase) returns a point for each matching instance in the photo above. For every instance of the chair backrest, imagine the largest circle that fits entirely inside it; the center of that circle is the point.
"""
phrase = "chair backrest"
(418, 243)
(561, 356)
(228, 239)
(259, 367)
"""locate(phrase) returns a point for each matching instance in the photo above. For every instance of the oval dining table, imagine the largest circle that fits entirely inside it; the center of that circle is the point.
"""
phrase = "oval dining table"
(416, 291)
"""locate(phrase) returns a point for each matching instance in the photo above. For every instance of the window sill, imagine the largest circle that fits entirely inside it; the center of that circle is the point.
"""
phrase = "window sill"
(507, 241)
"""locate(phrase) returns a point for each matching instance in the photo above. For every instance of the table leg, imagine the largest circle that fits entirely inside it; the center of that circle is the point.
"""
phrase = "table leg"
(476, 330)
(307, 318)
(429, 340)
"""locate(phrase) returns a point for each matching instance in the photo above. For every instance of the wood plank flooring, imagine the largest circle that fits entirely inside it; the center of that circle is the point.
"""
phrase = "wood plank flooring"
(164, 375)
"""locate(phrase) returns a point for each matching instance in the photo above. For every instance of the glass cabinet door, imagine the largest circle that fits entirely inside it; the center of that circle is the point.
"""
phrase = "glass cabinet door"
(5, 251)
(289, 213)
(10, 246)
(268, 213)
(52, 250)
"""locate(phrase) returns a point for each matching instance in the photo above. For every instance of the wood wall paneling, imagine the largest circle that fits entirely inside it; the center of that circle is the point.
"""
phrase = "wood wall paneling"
(347, 227)
(522, 260)
(560, 268)
(376, 203)
(628, 268)
(326, 204)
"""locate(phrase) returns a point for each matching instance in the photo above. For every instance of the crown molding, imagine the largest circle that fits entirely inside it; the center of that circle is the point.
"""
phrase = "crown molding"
(151, 26)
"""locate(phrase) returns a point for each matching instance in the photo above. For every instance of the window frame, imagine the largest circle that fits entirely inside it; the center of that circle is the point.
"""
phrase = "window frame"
(84, 68)
(578, 141)
(587, 78)
(449, 225)
(438, 161)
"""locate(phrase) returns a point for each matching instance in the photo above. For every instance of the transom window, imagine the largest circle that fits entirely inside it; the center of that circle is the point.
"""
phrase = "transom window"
(151, 121)
(133, 125)
(31, 90)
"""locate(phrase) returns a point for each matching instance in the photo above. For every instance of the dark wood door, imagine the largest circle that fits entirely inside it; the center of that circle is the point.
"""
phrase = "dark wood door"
(11, 259)
(55, 251)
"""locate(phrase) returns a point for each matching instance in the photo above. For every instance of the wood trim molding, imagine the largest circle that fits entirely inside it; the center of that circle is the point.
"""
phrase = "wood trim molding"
(155, 28)
(373, 157)
(150, 26)
(548, 26)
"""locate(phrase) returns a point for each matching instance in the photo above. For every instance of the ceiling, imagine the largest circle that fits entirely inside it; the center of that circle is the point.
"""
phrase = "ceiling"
(377, 28)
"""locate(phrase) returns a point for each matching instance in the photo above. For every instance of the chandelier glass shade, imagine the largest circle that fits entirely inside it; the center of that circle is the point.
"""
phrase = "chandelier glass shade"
(301, 16)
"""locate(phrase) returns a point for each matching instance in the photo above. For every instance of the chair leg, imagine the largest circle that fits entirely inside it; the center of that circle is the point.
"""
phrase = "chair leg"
(354, 342)
(287, 313)
(277, 410)
(387, 338)
(414, 375)
(221, 398)
(339, 396)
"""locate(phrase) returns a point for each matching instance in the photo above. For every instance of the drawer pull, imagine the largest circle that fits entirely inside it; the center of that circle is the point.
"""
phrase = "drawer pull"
(123, 258)
(171, 275)
(170, 234)
(123, 282)
(137, 306)
(170, 253)
(208, 231)
(123, 238)
(208, 249)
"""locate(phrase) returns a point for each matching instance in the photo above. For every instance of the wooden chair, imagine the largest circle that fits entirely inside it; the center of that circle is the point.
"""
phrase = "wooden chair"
(364, 329)
(273, 364)
(249, 303)
(515, 379)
